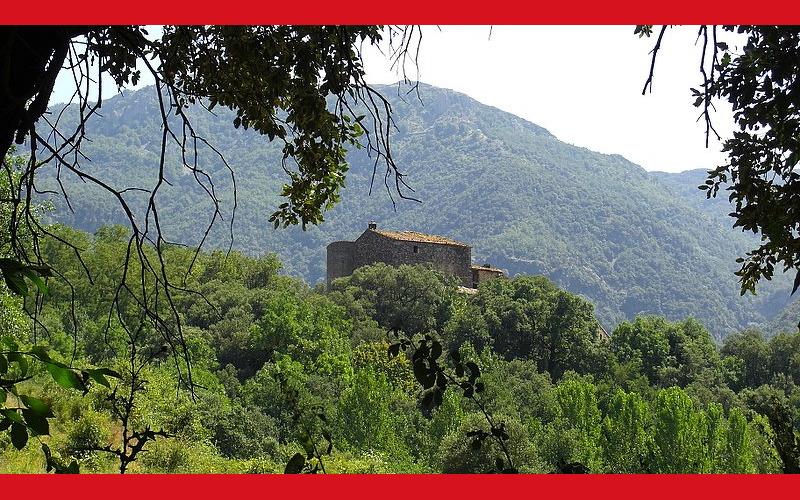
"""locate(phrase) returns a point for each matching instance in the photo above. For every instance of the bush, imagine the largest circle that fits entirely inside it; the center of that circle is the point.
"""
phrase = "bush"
(90, 431)
(180, 456)
(456, 454)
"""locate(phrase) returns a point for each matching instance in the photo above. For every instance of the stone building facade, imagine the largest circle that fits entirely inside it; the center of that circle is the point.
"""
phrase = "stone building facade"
(406, 247)
(483, 273)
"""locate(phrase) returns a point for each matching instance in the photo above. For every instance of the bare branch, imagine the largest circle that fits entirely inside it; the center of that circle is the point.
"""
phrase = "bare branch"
(654, 52)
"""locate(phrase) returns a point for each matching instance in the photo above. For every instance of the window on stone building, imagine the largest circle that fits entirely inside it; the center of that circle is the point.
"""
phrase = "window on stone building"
(416, 249)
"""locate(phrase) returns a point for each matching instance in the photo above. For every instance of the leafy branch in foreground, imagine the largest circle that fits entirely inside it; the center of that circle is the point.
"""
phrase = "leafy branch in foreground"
(760, 81)
(311, 462)
(434, 378)
(24, 416)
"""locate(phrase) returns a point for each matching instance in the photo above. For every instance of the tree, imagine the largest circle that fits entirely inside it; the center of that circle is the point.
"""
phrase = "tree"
(367, 418)
(670, 353)
(678, 434)
(407, 299)
(751, 356)
(760, 82)
(624, 438)
(300, 85)
(693, 351)
(458, 453)
(785, 355)
(529, 317)
(737, 451)
(578, 404)
(645, 340)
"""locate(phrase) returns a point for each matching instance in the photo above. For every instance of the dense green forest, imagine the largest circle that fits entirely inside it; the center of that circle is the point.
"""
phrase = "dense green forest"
(162, 350)
(630, 242)
(389, 370)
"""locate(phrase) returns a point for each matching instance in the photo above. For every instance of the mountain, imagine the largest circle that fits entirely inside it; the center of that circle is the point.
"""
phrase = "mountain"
(785, 309)
(598, 225)
(684, 185)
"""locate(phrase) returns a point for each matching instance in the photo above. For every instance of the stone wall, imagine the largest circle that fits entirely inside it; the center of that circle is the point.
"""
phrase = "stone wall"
(340, 259)
(483, 273)
(344, 257)
(455, 260)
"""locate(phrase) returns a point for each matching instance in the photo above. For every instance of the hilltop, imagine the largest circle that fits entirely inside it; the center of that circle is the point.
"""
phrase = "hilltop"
(631, 242)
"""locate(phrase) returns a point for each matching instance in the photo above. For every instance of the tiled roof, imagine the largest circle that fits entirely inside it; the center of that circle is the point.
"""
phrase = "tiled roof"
(419, 237)
(482, 268)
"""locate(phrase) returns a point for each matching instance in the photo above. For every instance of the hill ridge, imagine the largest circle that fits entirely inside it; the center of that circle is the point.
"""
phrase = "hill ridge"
(632, 242)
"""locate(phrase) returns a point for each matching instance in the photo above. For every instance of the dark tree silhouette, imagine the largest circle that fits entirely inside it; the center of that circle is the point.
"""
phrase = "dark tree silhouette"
(300, 85)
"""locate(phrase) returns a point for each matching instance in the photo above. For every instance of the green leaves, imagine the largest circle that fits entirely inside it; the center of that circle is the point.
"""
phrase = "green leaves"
(36, 422)
(99, 375)
(25, 422)
(477, 438)
(37, 406)
(428, 372)
(470, 385)
(15, 272)
(19, 358)
(12, 416)
(69, 378)
(31, 418)
(394, 349)
(19, 435)
(500, 431)
(65, 377)
(295, 464)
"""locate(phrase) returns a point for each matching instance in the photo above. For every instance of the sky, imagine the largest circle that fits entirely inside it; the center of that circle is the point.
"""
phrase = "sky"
(582, 83)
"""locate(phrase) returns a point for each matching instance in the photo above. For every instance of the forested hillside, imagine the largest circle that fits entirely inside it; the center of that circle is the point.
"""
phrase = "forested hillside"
(391, 370)
(685, 186)
(596, 224)
(182, 332)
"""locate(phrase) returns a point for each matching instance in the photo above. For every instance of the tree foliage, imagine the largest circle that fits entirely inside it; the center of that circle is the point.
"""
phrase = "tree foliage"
(529, 317)
(302, 384)
(315, 372)
(278, 81)
(759, 80)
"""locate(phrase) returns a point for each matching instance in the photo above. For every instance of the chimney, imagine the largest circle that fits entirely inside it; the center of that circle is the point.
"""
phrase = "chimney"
(372, 225)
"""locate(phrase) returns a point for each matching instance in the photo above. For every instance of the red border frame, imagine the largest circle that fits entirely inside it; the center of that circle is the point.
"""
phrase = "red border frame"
(401, 487)
(402, 12)
(405, 487)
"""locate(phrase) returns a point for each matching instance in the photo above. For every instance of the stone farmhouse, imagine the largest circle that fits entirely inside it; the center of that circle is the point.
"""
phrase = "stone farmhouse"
(407, 247)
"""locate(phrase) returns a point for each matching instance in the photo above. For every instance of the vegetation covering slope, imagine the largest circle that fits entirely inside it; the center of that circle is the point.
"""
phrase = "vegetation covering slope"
(596, 224)
(283, 371)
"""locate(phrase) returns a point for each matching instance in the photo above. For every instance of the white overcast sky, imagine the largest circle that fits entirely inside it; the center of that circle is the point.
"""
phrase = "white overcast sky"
(582, 83)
